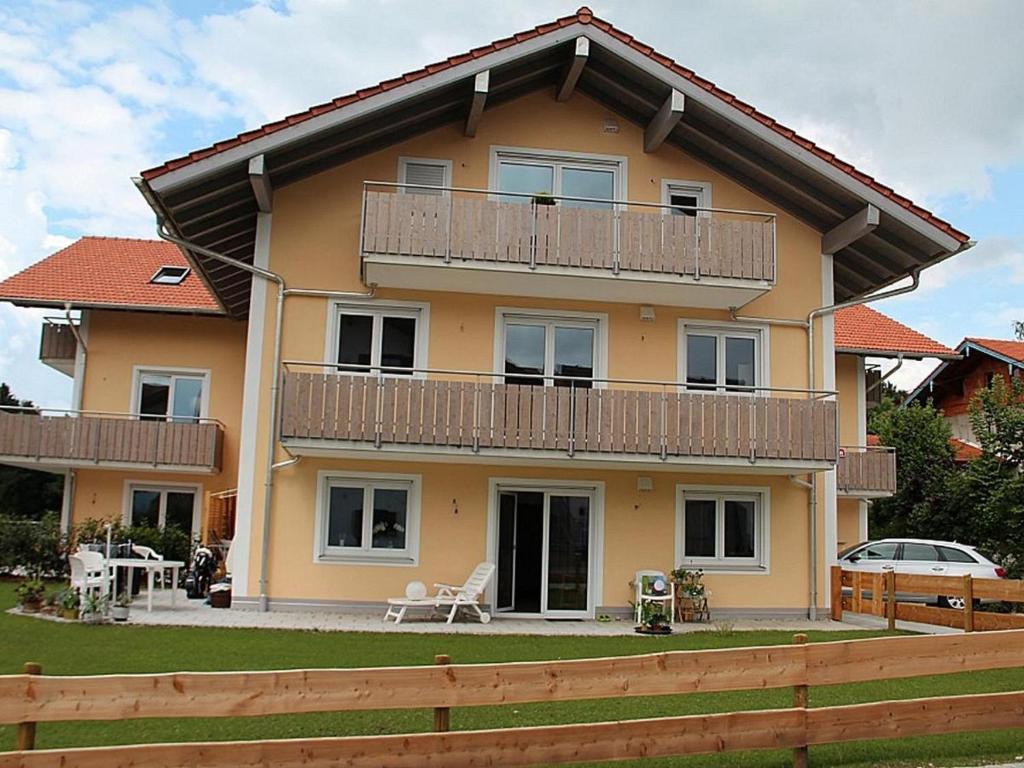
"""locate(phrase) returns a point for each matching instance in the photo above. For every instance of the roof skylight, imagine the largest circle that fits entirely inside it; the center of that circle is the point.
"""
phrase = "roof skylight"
(168, 275)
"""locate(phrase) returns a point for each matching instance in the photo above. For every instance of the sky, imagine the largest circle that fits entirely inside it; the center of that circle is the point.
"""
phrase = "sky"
(923, 95)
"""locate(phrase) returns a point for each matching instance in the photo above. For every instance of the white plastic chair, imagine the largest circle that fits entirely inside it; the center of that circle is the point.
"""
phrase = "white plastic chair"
(89, 573)
(643, 599)
(449, 596)
(148, 553)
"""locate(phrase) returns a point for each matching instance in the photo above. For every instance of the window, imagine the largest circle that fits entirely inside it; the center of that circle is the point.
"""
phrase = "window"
(952, 555)
(169, 396)
(368, 519)
(169, 275)
(559, 351)
(882, 551)
(723, 528)
(531, 173)
(920, 553)
(424, 172)
(379, 339)
(686, 197)
(721, 359)
(160, 507)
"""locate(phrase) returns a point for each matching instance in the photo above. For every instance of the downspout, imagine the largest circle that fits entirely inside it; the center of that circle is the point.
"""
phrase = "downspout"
(886, 375)
(282, 292)
(74, 328)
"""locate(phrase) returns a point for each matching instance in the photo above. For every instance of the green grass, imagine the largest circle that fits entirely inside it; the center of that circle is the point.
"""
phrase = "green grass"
(69, 649)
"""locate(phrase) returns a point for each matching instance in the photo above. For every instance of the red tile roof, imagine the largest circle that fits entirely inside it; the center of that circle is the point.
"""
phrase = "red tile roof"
(1004, 347)
(109, 271)
(964, 450)
(582, 16)
(864, 329)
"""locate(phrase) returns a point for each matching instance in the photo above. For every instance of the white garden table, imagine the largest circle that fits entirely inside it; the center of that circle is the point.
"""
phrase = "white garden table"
(150, 567)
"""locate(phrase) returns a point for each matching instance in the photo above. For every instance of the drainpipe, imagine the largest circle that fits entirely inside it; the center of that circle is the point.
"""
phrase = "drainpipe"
(886, 375)
(282, 291)
(74, 328)
(812, 522)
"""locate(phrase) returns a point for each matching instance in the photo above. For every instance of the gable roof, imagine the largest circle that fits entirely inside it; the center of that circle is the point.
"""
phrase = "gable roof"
(113, 273)
(860, 329)
(206, 196)
(1005, 350)
(1009, 351)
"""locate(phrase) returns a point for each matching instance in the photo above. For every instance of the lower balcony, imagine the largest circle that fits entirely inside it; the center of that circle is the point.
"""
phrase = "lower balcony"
(867, 472)
(108, 441)
(469, 416)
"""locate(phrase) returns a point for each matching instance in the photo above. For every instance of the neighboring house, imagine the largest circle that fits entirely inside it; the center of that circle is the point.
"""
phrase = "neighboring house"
(544, 303)
(953, 383)
(862, 332)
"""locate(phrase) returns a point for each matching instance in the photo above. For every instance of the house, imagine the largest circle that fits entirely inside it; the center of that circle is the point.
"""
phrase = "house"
(868, 472)
(953, 383)
(558, 303)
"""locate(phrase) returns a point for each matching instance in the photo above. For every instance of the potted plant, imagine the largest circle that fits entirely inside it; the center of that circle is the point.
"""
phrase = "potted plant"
(94, 608)
(30, 595)
(654, 621)
(543, 198)
(691, 593)
(67, 604)
(121, 607)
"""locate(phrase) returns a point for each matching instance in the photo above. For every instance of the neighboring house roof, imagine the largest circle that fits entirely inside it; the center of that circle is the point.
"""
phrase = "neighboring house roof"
(863, 330)
(1004, 350)
(110, 272)
(207, 198)
(583, 16)
(964, 450)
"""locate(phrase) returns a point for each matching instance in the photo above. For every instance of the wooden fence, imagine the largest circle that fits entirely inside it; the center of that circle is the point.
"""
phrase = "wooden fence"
(32, 699)
(474, 228)
(878, 594)
(481, 414)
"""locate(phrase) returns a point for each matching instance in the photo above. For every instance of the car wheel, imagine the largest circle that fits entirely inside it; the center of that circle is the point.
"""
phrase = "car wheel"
(956, 603)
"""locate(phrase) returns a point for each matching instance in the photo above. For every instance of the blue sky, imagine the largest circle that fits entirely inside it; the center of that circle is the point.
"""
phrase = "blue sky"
(923, 95)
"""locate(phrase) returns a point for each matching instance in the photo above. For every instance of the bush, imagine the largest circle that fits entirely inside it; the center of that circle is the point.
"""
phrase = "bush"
(37, 549)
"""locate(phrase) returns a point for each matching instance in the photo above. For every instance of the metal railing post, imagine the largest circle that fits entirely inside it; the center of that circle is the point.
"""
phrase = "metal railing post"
(448, 243)
(476, 415)
(616, 240)
(664, 424)
(378, 416)
(533, 236)
(696, 245)
(572, 418)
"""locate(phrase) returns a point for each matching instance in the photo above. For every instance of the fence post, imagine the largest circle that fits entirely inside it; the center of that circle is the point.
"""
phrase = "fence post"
(836, 599)
(442, 715)
(800, 701)
(890, 599)
(968, 603)
(26, 735)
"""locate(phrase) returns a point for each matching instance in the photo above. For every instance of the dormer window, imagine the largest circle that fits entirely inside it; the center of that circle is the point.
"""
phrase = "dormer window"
(168, 275)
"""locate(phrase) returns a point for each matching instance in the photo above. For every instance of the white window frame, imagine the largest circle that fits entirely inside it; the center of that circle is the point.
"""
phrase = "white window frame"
(139, 371)
(699, 189)
(365, 554)
(163, 488)
(762, 354)
(551, 318)
(618, 164)
(404, 162)
(760, 563)
(420, 311)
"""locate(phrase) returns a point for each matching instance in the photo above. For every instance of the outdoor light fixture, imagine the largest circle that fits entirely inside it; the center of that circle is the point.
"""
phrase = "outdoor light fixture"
(647, 313)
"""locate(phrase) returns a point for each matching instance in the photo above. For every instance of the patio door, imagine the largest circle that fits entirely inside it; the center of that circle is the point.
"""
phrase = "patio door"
(545, 552)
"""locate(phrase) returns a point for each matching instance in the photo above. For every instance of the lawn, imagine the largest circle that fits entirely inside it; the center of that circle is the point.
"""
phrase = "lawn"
(66, 649)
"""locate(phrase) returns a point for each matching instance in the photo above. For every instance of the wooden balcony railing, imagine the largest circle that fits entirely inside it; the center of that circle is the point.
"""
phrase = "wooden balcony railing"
(57, 342)
(453, 410)
(866, 471)
(93, 439)
(467, 225)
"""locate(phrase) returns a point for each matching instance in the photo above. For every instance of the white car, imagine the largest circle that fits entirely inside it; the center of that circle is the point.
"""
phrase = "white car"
(921, 557)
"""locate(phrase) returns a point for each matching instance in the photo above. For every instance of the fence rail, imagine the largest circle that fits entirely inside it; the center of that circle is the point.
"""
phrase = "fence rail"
(82, 440)
(480, 414)
(878, 594)
(620, 236)
(866, 470)
(28, 699)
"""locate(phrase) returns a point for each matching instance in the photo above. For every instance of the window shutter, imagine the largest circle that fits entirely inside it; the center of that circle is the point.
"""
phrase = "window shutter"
(427, 174)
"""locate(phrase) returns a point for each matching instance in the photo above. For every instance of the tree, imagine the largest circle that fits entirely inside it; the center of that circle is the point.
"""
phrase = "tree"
(924, 467)
(997, 418)
(26, 493)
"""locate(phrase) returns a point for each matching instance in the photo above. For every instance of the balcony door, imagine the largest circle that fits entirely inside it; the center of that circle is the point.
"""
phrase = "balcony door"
(545, 552)
(591, 180)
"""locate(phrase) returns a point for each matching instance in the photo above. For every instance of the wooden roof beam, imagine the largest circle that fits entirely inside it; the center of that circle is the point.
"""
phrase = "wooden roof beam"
(572, 75)
(850, 231)
(664, 121)
(481, 84)
(259, 178)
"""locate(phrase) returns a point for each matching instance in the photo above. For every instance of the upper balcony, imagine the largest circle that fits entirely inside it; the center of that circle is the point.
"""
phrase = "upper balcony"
(57, 439)
(58, 344)
(470, 416)
(481, 241)
(866, 472)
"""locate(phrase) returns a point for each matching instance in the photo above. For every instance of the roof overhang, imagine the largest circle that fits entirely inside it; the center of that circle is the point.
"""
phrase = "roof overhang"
(210, 201)
(894, 354)
(77, 305)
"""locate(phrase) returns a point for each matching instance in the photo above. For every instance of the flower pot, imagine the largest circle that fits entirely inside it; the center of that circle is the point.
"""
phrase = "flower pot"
(71, 614)
(92, 618)
(119, 612)
(658, 629)
(31, 606)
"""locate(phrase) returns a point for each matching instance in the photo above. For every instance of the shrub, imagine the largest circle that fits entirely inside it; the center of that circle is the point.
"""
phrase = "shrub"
(37, 549)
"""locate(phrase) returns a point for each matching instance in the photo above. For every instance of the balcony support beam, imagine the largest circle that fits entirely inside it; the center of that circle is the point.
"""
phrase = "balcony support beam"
(848, 232)
(572, 75)
(259, 178)
(481, 84)
(664, 121)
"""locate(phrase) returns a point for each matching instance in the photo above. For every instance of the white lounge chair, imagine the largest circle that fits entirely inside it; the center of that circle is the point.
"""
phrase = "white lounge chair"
(449, 596)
